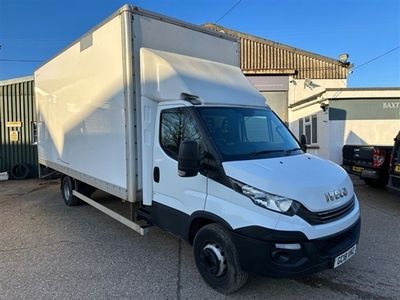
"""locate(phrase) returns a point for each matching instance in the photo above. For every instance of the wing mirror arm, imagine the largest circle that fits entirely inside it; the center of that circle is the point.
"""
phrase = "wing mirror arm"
(303, 143)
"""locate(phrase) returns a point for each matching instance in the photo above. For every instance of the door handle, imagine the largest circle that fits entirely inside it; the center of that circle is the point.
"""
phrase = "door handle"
(156, 174)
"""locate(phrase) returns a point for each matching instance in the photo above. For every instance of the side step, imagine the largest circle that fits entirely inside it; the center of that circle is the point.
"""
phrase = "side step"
(139, 229)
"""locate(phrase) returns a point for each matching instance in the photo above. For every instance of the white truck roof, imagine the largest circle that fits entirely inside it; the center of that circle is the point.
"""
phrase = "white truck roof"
(165, 76)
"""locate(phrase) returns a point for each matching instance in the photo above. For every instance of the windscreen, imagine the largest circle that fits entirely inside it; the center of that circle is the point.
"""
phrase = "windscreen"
(248, 133)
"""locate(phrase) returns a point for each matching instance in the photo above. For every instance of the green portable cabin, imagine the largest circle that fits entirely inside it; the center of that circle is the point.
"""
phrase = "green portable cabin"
(18, 153)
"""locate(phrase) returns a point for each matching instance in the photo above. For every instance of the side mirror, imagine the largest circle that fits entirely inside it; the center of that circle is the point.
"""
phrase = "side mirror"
(188, 159)
(303, 143)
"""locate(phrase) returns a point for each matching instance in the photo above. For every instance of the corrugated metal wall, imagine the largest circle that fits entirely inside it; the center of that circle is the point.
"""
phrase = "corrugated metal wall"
(258, 57)
(17, 104)
(261, 56)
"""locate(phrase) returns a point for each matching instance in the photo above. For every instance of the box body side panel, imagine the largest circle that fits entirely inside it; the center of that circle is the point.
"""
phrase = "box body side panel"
(159, 35)
(80, 95)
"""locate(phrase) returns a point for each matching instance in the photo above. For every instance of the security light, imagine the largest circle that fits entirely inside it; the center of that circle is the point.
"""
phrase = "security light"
(324, 106)
(343, 58)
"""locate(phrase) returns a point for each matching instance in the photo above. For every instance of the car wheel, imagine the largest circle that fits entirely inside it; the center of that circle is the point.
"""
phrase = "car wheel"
(66, 191)
(217, 259)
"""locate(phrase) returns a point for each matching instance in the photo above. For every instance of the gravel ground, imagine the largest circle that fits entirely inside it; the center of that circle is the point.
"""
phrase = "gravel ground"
(49, 250)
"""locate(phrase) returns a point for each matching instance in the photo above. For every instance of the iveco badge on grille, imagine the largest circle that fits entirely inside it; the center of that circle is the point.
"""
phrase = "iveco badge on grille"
(336, 194)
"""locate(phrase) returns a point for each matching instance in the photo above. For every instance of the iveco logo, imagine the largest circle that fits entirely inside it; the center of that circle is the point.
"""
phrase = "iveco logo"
(336, 194)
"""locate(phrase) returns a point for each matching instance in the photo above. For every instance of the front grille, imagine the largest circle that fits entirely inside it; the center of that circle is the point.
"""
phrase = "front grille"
(315, 218)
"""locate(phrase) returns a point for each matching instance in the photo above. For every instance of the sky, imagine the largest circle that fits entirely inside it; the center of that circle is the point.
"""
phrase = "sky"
(32, 31)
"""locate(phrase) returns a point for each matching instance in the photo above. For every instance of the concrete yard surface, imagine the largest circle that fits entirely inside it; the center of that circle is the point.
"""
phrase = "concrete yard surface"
(49, 250)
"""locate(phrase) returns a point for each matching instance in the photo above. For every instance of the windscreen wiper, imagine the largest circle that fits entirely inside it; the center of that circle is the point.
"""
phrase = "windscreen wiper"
(291, 150)
(265, 152)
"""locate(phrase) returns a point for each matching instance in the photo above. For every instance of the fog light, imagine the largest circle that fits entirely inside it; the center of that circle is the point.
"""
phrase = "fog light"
(281, 257)
(288, 246)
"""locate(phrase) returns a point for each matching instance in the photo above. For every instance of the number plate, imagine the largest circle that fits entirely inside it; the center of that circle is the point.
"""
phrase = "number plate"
(342, 258)
(357, 169)
(397, 169)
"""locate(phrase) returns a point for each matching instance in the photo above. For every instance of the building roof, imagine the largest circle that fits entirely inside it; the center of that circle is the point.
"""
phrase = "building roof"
(15, 80)
(262, 56)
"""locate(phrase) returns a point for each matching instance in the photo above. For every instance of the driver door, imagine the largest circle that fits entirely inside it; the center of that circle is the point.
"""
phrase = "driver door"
(175, 198)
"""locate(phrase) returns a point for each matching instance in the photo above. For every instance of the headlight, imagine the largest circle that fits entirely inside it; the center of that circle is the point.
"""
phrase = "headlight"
(266, 200)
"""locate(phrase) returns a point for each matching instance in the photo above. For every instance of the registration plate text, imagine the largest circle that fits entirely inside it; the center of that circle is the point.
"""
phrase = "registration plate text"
(357, 169)
(342, 258)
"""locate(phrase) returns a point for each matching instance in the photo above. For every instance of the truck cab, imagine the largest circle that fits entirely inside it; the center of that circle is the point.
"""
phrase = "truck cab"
(230, 178)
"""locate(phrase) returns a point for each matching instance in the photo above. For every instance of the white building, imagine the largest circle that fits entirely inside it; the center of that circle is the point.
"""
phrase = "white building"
(296, 83)
(340, 116)
(285, 74)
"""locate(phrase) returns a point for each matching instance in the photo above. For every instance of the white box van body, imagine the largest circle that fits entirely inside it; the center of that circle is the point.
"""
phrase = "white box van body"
(158, 113)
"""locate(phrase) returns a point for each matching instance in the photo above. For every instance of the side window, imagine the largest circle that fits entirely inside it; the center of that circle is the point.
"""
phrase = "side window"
(177, 125)
(34, 132)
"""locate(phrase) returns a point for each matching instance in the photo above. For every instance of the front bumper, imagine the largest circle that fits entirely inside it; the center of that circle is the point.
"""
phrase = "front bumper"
(366, 173)
(370, 174)
(258, 254)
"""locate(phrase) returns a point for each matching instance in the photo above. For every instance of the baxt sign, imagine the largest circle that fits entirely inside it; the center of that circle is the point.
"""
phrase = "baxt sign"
(391, 105)
(364, 109)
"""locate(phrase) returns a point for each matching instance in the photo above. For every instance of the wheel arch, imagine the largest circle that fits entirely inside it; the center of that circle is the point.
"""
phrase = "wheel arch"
(62, 180)
(200, 219)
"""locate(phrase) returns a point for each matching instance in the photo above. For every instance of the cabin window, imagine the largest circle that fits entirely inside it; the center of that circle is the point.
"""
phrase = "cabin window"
(177, 125)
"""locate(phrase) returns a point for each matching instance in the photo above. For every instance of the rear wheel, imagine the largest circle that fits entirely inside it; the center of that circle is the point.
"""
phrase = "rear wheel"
(66, 191)
(20, 171)
(217, 259)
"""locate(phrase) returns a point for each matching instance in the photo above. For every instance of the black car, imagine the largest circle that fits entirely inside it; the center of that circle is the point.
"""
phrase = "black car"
(394, 169)
(369, 162)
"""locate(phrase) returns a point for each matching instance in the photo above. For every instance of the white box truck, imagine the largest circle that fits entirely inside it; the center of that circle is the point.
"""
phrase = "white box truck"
(157, 112)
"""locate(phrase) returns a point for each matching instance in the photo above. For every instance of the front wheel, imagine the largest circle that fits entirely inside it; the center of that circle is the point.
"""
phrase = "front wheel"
(217, 259)
(66, 191)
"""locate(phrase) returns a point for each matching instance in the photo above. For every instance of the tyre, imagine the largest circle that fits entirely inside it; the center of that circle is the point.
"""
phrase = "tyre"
(376, 183)
(66, 191)
(217, 259)
(20, 171)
